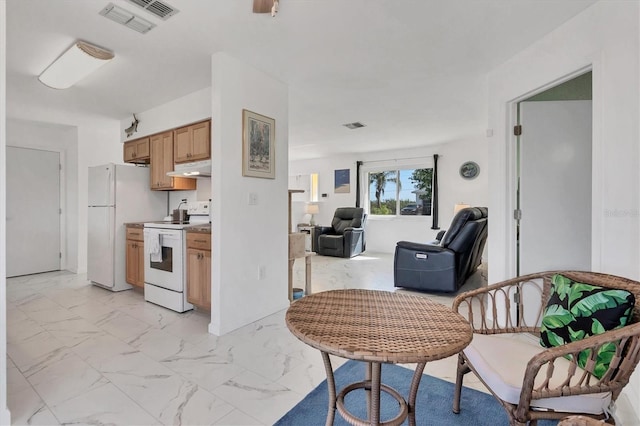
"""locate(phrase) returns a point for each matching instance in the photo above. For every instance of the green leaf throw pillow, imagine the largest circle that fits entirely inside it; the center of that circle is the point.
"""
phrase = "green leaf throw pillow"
(576, 310)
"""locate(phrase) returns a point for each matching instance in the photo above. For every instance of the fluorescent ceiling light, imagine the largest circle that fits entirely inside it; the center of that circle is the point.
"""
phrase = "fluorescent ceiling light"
(76, 63)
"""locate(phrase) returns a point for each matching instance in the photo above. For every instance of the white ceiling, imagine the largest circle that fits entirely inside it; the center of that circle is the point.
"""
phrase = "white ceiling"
(412, 71)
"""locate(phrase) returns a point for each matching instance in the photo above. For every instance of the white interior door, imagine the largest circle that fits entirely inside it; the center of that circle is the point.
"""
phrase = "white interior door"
(555, 186)
(33, 211)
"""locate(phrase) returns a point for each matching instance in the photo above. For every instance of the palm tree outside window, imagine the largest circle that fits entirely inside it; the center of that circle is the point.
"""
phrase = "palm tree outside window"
(405, 192)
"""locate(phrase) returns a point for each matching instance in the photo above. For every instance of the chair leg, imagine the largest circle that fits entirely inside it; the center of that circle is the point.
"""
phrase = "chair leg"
(461, 371)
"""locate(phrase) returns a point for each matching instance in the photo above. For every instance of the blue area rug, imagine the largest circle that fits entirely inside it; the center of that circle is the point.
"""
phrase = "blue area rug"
(433, 404)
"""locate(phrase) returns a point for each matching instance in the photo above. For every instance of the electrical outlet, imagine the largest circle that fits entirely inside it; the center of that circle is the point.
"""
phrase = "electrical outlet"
(262, 272)
(253, 199)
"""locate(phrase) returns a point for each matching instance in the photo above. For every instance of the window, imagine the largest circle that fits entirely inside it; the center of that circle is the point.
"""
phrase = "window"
(405, 192)
(314, 187)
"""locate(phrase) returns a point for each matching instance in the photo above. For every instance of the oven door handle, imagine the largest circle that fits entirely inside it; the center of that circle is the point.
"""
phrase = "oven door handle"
(170, 236)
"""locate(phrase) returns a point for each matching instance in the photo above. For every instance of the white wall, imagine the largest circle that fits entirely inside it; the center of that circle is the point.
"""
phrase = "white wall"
(606, 37)
(246, 237)
(62, 139)
(5, 416)
(190, 108)
(382, 233)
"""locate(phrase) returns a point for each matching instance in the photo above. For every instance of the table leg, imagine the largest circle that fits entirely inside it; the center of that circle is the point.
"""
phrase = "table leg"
(307, 277)
(331, 387)
(374, 413)
(367, 389)
(413, 392)
(291, 261)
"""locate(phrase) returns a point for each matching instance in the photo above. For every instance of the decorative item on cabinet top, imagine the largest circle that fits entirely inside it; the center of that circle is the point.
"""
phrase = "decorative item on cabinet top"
(133, 128)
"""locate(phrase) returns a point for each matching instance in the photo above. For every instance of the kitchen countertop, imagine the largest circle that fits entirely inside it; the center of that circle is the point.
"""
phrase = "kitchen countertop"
(134, 225)
(204, 228)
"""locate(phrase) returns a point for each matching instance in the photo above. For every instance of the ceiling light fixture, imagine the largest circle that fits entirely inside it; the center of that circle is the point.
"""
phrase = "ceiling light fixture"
(76, 63)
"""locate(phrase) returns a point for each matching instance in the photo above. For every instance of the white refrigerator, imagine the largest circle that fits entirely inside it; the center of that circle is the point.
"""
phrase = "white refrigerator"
(118, 194)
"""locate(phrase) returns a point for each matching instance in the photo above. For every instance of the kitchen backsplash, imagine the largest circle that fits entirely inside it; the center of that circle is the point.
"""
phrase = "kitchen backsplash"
(202, 193)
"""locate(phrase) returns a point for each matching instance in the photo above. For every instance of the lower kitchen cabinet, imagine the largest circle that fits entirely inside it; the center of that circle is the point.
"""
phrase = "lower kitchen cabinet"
(135, 257)
(199, 269)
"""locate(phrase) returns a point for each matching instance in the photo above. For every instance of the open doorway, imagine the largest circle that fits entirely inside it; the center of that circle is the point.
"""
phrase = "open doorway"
(554, 178)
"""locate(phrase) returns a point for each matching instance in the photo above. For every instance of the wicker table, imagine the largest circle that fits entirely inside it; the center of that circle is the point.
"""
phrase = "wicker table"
(377, 327)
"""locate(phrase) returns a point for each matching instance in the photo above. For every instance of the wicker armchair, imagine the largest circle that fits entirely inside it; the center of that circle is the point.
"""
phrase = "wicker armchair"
(542, 382)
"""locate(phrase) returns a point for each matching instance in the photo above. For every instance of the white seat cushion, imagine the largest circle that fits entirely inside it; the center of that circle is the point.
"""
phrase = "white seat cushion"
(501, 360)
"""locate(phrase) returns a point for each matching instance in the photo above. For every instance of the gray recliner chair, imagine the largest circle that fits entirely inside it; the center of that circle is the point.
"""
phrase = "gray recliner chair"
(445, 265)
(345, 236)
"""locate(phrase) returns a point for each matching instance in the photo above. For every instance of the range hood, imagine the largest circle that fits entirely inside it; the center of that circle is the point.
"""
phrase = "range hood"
(194, 170)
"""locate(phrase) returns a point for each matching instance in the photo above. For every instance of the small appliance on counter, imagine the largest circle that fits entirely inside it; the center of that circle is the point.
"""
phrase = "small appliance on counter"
(180, 215)
(165, 270)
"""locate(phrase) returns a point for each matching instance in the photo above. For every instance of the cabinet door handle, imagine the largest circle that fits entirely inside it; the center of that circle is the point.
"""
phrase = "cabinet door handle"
(200, 241)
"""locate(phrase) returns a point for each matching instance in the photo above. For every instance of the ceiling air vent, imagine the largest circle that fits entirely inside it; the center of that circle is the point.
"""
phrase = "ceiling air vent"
(354, 125)
(159, 8)
(126, 18)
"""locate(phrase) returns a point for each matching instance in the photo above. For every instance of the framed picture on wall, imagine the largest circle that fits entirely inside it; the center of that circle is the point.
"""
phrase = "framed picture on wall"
(342, 183)
(258, 145)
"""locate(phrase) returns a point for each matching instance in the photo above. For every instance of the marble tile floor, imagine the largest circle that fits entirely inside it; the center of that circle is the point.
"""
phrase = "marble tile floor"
(83, 355)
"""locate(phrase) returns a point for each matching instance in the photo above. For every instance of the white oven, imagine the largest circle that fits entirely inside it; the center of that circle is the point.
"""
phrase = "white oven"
(164, 268)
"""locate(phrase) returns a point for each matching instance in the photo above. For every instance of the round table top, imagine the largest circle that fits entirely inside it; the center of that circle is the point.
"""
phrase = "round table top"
(378, 326)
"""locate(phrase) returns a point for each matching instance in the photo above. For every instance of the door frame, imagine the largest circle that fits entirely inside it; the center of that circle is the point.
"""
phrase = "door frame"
(596, 168)
(63, 196)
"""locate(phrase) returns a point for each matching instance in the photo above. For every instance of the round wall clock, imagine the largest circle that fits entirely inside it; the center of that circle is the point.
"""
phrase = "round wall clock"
(469, 170)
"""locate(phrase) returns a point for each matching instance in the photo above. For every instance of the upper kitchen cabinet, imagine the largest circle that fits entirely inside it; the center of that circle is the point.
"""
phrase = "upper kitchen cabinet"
(193, 142)
(137, 151)
(162, 162)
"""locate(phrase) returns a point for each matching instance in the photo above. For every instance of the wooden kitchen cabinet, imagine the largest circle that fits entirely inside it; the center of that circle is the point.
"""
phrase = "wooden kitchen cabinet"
(193, 142)
(199, 269)
(135, 257)
(162, 162)
(137, 151)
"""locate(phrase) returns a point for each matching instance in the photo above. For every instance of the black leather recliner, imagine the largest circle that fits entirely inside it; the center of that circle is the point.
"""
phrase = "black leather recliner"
(444, 266)
(345, 236)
